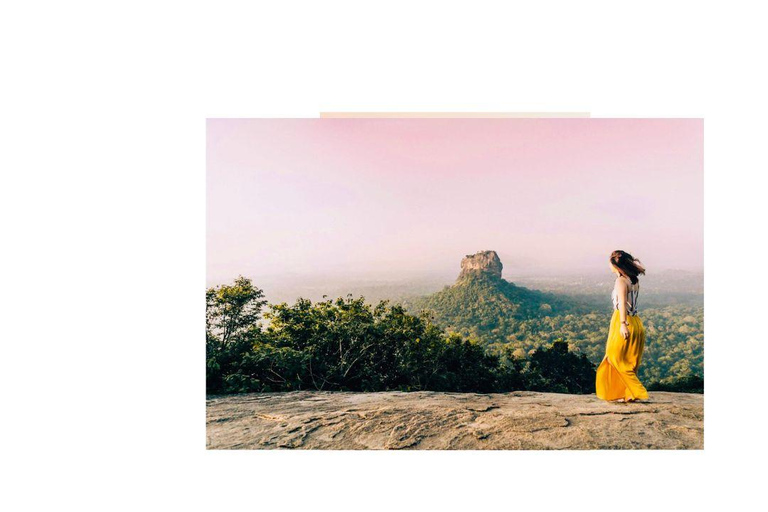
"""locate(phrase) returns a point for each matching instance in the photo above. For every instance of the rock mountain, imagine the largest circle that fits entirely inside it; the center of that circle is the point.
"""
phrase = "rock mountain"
(481, 299)
(482, 263)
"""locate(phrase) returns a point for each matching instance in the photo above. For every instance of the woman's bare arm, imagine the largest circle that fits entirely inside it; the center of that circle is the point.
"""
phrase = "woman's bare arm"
(621, 292)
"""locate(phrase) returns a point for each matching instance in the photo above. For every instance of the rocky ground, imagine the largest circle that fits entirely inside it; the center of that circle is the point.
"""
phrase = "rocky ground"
(452, 421)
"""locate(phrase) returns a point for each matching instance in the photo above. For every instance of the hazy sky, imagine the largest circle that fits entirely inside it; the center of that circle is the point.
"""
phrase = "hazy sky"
(405, 197)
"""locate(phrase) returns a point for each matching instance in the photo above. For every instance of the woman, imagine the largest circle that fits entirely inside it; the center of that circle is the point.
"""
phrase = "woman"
(617, 374)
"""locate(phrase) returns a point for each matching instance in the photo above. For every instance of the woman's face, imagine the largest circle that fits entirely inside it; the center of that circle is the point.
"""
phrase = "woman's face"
(614, 269)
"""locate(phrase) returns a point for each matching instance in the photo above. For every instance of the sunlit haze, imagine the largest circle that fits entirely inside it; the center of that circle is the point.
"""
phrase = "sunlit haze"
(402, 198)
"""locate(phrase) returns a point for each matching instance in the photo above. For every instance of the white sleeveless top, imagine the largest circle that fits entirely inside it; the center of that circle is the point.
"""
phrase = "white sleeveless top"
(632, 293)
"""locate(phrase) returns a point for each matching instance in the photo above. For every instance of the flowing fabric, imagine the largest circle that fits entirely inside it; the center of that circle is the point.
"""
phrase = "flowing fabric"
(617, 373)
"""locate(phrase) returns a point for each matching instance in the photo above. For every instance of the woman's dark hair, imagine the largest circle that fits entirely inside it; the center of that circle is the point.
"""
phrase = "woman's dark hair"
(627, 264)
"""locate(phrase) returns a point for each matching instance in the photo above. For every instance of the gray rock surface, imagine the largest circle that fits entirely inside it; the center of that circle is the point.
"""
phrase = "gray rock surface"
(448, 421)
(487, 262)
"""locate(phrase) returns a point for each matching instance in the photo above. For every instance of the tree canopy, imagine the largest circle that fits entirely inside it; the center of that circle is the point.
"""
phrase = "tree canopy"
(348, 344)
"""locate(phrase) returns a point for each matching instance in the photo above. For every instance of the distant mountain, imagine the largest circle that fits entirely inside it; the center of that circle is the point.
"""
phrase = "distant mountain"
(481, 300)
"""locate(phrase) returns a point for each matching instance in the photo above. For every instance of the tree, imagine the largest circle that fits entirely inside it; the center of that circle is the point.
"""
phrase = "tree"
(232, 314)
(233, 310)
(555, 369)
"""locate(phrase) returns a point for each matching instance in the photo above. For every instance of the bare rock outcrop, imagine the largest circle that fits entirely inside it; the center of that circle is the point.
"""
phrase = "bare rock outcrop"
(466, 421)
(483, 262)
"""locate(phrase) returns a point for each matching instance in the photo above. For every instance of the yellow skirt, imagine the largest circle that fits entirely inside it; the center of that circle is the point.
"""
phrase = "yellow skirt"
(617, 373)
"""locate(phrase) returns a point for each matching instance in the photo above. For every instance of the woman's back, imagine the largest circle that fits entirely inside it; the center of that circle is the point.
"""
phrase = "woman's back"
(633, 291)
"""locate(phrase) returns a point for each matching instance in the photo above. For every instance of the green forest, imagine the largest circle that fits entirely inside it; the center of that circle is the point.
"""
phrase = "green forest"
(476, 336)
(509, 319)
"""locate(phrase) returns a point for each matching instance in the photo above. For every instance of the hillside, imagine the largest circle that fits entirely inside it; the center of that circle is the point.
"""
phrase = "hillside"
(513, 321)
(440, 421)
(480, 297)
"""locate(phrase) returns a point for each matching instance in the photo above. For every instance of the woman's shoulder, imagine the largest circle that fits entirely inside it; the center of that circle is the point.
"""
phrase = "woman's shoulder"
(625, 282)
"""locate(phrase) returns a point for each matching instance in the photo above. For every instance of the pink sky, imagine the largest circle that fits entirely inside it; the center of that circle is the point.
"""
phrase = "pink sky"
(396, 198)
